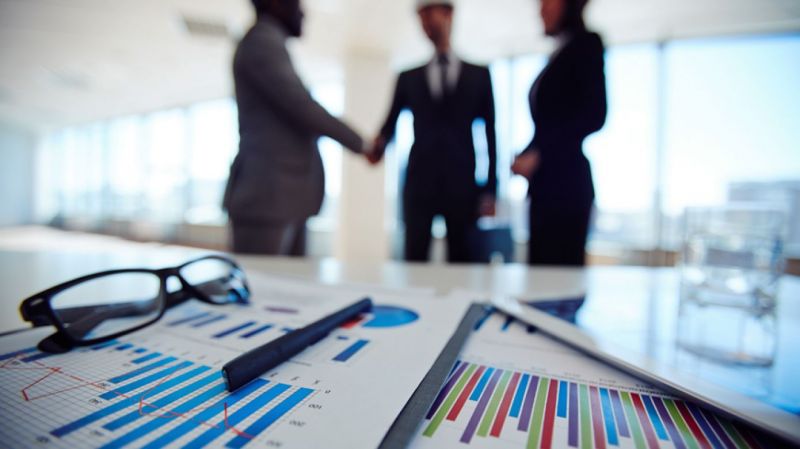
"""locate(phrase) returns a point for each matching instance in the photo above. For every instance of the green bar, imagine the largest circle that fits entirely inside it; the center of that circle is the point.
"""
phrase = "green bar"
(448, 402)
(586, 420)
(633, 420)
(538, 414)
(688, 436)
(737, 439)
(488, 417)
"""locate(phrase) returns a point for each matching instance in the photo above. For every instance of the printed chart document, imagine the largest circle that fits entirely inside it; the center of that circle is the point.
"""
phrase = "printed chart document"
(516, 388)
(161, 386)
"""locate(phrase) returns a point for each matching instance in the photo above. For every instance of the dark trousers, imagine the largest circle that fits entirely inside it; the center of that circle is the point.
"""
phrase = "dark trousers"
(275, 238)
(460, 221)
(558, 234)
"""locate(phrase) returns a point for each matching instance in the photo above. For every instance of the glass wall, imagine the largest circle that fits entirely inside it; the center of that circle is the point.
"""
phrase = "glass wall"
(690, 122)
(166, 167)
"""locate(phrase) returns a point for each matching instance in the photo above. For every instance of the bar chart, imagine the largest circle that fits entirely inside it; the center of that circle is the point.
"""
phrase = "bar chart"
(157, 400)
(161, 387)
(350, 350)
(486, 406)
(221, 326)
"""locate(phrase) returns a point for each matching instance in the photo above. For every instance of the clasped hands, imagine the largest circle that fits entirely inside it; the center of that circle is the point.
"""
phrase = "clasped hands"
(375, 150)
(526, 163)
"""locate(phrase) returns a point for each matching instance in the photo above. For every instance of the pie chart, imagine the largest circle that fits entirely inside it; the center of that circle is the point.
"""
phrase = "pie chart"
(389, 316)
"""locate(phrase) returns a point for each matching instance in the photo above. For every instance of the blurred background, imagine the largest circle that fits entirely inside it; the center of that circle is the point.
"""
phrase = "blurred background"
(118, 118)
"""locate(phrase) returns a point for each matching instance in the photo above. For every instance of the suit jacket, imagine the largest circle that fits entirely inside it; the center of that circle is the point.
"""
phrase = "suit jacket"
(442, 158)
(568, 103)
(277, 174)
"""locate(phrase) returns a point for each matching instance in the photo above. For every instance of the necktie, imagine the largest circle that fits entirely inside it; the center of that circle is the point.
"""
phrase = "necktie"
(443, 64)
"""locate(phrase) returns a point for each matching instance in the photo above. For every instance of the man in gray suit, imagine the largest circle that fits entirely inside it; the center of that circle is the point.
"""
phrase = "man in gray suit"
(277, 180)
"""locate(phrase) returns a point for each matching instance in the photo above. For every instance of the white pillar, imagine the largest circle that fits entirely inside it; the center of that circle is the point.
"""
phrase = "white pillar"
(362, 234)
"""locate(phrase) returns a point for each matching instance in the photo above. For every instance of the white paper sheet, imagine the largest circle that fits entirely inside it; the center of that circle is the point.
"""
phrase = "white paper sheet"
(516, 388)
(161, 386)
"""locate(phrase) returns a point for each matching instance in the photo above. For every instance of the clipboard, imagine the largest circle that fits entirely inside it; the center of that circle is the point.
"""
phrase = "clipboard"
(731, 404)
(404, 428)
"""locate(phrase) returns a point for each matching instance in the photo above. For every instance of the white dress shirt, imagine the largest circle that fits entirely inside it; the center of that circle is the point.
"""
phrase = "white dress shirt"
(434, 72)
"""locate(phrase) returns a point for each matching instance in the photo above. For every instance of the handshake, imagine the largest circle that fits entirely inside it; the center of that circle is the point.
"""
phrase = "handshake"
(375, 150)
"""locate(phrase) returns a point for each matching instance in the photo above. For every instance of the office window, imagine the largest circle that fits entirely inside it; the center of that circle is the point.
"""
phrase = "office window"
(213, 143)
(726, 111)
(512, 80)
(126, 168)
(166, 161)
(623, 153)
(331, 96)
(733, 109)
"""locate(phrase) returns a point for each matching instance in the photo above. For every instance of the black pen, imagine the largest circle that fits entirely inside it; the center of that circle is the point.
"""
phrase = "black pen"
(252, 364)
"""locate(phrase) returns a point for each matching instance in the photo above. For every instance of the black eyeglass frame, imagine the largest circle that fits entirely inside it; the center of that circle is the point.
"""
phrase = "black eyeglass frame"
(38, 310)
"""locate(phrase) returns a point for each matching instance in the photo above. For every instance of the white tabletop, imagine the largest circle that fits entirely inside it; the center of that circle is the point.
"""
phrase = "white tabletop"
(636, 306)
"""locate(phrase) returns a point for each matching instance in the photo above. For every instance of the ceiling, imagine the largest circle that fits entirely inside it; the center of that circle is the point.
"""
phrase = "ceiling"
(73, 61)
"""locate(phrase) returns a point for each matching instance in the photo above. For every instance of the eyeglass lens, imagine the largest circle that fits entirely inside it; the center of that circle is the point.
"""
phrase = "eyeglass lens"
(219, 280)
(108, 305)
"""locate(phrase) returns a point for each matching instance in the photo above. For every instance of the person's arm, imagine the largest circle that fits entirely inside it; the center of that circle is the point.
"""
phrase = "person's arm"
(584, 109)
(491, 135)
(488, 199)
(398, 104)
(273, 74)
(389, 127)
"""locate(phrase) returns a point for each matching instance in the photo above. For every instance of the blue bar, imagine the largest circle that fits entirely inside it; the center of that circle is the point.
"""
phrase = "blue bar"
(507, 323)
(608, 417)
(144, 381)
(187, 319)
(154, 424)
(126, 402)
(209, 321)
(476, 393)
(154, 407)
(11, 355)
(142, 370)
(206, 415)
(140, 351)
(243, 413)
(343, 337)
(147, 358)
(257, 331)
(104, 345)
(515, 406)
(36, 357)
(124, 347)
(562, 399)
(270, 417)
(351, 351)
(234, 330)
(651, 411)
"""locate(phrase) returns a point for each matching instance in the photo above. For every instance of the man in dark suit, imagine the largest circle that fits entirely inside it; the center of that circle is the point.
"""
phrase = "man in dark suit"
(446, 96)
(277, 180)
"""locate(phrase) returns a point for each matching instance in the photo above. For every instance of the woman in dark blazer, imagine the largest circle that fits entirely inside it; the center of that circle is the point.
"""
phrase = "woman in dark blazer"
(568, 102)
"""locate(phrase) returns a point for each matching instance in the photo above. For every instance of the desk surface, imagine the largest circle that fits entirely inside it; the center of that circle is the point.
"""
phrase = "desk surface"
(637, 306)
(24, 272)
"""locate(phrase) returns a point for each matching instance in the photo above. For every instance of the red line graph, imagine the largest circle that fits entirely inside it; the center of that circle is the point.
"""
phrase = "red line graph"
(50, 372)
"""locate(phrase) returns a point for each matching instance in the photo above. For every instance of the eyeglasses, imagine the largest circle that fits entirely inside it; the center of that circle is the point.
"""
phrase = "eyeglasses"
(103, 306)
